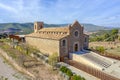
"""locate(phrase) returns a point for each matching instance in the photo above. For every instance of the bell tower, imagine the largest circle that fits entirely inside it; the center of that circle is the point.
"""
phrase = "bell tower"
(38, 26)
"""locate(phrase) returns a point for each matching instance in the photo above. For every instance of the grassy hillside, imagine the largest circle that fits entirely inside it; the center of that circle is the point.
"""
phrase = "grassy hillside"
(28, 27)
(25, 27)
(92, 27)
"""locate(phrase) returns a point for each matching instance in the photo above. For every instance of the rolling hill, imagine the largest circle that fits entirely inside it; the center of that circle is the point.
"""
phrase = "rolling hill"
(28, 27)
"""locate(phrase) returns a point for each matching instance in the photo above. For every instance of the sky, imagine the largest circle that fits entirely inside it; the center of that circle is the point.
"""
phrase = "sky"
(60, 11)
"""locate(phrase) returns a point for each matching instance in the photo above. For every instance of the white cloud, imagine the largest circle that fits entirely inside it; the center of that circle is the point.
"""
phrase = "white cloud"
(8, 8)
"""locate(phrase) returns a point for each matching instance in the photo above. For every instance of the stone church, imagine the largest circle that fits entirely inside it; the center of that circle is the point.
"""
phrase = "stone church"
(59, 40)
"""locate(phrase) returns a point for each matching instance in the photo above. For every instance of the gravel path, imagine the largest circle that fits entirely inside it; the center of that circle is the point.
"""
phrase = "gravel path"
(7, 71)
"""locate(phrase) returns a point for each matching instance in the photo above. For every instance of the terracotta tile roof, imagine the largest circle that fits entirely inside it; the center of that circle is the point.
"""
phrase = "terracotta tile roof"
(53, 32)
(58, 29)
(47, 36)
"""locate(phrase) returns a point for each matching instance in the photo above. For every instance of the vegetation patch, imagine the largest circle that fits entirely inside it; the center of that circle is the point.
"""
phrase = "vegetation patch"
(109, 35)
(3, 78)
(69, 73)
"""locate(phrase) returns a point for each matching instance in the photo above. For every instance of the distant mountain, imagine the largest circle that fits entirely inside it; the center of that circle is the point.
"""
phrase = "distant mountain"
(112, 25)
(24, 27)
(28, 27)
(92, 27)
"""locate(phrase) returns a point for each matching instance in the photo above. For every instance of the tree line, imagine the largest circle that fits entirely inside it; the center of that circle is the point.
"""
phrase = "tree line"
(111, 35)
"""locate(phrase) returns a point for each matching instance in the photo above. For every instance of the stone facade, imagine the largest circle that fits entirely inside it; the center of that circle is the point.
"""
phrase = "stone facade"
(61, 40)
(47, 46)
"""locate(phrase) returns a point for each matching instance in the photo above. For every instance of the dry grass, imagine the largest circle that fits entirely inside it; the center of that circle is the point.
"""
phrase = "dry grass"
(111, 47)
(105, 44)
(39, 69)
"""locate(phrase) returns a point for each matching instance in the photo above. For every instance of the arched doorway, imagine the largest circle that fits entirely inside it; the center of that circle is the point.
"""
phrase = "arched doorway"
(76, 47)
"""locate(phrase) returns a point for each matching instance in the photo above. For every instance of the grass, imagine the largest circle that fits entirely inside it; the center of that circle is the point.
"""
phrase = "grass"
(3, 78)
(5, 40)
(15, 54)
(18, 55)
(20, 77)
(115, 51)
(9, 51)
(110, 48)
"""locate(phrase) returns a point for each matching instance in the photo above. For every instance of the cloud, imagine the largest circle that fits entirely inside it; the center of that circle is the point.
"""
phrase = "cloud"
(60, 11)
(8, 8)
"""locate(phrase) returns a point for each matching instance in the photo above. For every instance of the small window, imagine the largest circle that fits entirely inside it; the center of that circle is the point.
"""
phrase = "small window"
(63, 42)
(76, 33)
(85, 39)
(35, 27)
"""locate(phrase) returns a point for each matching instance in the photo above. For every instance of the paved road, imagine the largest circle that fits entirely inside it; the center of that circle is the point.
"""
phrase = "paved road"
(7, 71)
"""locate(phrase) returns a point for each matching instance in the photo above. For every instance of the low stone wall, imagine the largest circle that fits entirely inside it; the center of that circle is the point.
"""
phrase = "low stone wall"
(78, 58)
(4, 54)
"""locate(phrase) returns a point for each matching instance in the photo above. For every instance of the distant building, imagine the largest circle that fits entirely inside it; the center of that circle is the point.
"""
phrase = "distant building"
(61, 40)
(17, 38)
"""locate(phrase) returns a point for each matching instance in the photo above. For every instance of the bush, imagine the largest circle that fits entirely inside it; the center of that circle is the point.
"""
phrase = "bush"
(63, 69)
(69, 73)
(76, 77)
(101, 49)
(53, 59)
(82, 78)
(66, 71)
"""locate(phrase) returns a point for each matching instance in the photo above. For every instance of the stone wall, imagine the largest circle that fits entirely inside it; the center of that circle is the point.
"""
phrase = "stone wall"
(64, 49)
(86, 41)
(47, 46)
(78, 58)
(76, 39)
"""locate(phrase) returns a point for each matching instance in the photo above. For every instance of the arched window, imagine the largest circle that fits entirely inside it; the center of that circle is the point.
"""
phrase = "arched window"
(76, 33)
(63, 42)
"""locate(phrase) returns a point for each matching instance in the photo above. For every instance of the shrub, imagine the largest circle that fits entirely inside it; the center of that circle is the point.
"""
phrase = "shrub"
(63, 69)
(76, 77)
(69, 73)
(83, 78)
(100, 49)
(53, 59)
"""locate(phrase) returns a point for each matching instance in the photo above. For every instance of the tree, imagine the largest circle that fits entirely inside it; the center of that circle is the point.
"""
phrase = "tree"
(106, 35)
(53, 59)
(114, 31)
